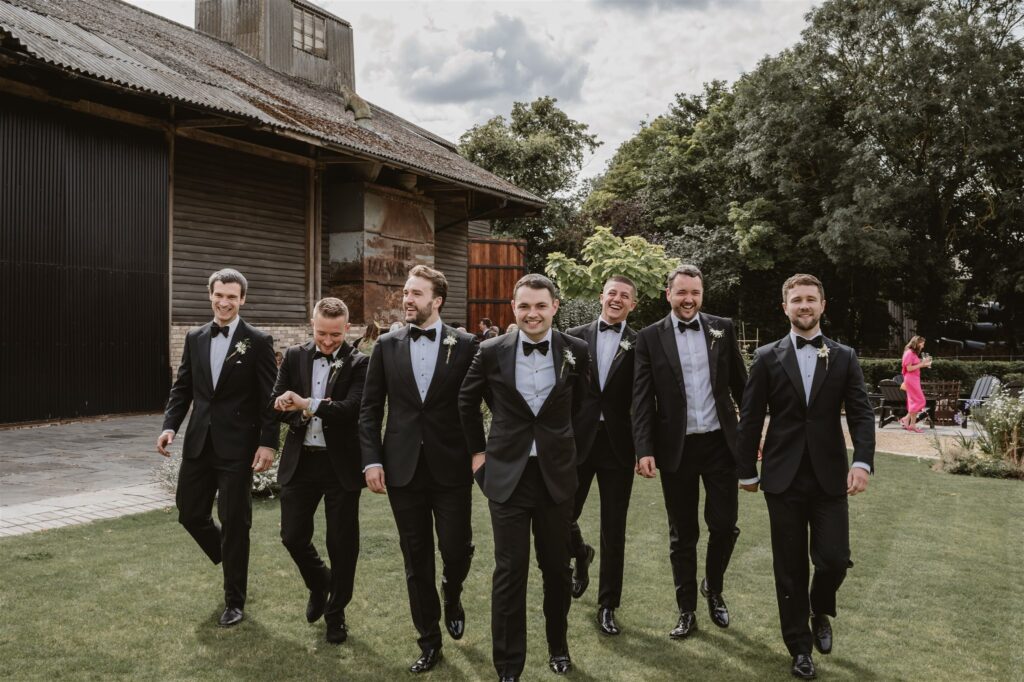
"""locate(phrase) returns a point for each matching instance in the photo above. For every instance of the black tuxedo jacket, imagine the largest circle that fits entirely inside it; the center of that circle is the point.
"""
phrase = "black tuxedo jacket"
(659, 394)
(614, 401)
(414, 425)
(514, 427)
(237, 415)
(797, 426)
(338, 412)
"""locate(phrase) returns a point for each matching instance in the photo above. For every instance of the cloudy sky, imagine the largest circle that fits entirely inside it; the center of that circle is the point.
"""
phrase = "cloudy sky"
(450, 64)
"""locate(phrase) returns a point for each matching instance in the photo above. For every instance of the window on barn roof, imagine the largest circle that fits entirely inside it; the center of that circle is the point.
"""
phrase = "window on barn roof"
(309, 32)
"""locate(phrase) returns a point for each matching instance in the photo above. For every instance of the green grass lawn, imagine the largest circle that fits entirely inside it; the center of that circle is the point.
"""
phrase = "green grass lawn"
(937, 594)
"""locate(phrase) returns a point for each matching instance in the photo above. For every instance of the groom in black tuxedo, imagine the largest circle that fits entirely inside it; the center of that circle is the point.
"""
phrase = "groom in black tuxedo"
(226, 375)
(689, 381)
(422, 463)
(606, 445)
(805, 380)
(534, 381)
(318, 392)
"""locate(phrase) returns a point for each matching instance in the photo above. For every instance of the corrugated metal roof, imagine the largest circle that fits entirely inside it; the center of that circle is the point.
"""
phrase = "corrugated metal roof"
(123, 44)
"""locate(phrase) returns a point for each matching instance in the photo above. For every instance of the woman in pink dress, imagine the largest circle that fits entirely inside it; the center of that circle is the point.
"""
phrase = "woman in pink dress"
(912, 364)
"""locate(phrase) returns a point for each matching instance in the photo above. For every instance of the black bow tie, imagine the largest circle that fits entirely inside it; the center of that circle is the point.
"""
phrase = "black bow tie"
(215, 329)
(541, 347)
(415, 332)
(692, 325)
(817, 342)
(329, 357)
(603, 326)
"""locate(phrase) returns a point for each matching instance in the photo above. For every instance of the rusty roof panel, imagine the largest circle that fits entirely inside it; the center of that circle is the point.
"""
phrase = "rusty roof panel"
(123, 44)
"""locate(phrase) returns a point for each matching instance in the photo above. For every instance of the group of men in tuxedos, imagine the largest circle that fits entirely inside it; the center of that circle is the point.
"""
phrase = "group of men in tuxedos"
(601, 401)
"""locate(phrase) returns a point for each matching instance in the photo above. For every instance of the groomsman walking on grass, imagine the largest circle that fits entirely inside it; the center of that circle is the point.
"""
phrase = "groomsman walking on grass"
(318, 392)
(226, 375)
(806, 381)
(606, 446)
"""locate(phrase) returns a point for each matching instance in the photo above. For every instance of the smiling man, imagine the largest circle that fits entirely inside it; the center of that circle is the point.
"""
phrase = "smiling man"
(226, 375)
(806, 381)
(534, 381)
(422, 462)
(606, 446)
(689, 380)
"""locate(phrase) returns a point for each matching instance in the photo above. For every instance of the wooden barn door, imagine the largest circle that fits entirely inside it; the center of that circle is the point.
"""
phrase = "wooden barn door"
(494, 267)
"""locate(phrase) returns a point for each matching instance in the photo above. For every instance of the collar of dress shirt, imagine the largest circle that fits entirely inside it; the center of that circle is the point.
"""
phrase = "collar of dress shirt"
(439, 325)
(793, 336)
(523, 337)
(676, 321)
(232, 326)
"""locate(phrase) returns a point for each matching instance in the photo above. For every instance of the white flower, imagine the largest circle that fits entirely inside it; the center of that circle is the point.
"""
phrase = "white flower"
(337, 363)
(240, 348)
(449, 341)
(625, 345)
(823, 353)
(716, 334)
(567, 359)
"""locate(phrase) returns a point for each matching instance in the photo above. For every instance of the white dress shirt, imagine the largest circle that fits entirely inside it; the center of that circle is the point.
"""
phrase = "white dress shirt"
(701, 414)
(607, 347)
(423, 353)
(322, 368)
(220, 348)
(535, 376)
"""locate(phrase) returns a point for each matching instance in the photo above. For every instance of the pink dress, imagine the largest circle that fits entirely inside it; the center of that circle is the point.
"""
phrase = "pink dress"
(915, 396)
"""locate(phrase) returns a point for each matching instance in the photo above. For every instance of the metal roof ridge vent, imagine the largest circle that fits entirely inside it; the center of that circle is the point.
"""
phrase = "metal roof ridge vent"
(356, 104)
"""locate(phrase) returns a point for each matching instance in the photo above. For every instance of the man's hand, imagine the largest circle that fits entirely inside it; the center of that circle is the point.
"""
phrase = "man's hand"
(478, 461)
(263, 459)
(375, 480)
(856, 481)
(645, 467)
(290, 401)
(749, 487)
(165, 439)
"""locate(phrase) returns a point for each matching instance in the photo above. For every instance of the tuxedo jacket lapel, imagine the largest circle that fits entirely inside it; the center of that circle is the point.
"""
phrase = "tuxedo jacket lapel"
(306, 368)
(403, 362)
(507, 354)
(333, 375)
(558, 357)
(627, 335)
(442, 365)
(668, 344)
(786, 355)
(714, 347)
(203, 349)
(821, 369)
(590, 336)
(231, 358)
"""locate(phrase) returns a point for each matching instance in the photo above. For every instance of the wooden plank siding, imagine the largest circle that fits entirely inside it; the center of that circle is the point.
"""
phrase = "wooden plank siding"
(236, 210)
(495, 265)
(451, 256)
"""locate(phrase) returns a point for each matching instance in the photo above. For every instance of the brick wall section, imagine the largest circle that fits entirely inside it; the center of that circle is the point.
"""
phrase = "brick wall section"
(285, 335)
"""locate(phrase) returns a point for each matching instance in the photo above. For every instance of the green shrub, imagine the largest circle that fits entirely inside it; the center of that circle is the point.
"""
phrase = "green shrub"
(964, 371)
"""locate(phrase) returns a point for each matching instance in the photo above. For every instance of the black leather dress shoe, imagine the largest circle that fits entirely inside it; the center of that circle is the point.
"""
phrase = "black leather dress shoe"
(508, 678)
(560, 664)
(337, 632)
(581, 572)
(822, 629)
(455, 619)
(606, 621)
(231, 616)
(427, 661)
(318, 598)
(686, 626)
(716, 605)
(803, 667)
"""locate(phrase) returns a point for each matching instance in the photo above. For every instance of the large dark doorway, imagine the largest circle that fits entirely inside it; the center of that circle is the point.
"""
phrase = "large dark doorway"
(83, 265)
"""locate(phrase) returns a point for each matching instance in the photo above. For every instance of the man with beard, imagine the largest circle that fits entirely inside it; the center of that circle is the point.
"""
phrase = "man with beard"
(318, 391)
(605, 437)
(689, 379)
(226, 375)
(534, 381)
(805, 380)
(422, 462)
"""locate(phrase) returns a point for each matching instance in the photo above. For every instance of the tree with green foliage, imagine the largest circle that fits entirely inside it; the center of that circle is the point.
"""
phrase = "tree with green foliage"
(541, 149)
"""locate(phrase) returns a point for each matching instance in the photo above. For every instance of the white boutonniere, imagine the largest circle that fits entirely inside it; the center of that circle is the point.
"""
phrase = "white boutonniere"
(240, 349)
(716, 334)
(823, 353)
(335, 368)
(449, 341)
(624, 347)
(567, 359)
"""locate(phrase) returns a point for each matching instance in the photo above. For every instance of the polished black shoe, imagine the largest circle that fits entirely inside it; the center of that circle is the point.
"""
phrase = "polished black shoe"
(455, 618)
(822, 629)
(686, 626)
(606, 621)
(231, 616)
(581, 573)
(803, 667)
(316, 605)
(560, 664)
(716, 605)
(337, 632)
(427, 661)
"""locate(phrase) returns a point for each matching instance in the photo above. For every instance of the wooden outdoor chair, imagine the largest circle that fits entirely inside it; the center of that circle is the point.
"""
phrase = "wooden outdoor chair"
(944, 397)
(983, 388)
(1014, 389)
(893, 403)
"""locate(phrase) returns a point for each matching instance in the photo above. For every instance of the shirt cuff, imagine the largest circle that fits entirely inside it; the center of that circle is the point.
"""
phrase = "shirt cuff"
(862, 465)
(372, 466)
(170, 431)
(750, 481)
(310, 412)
